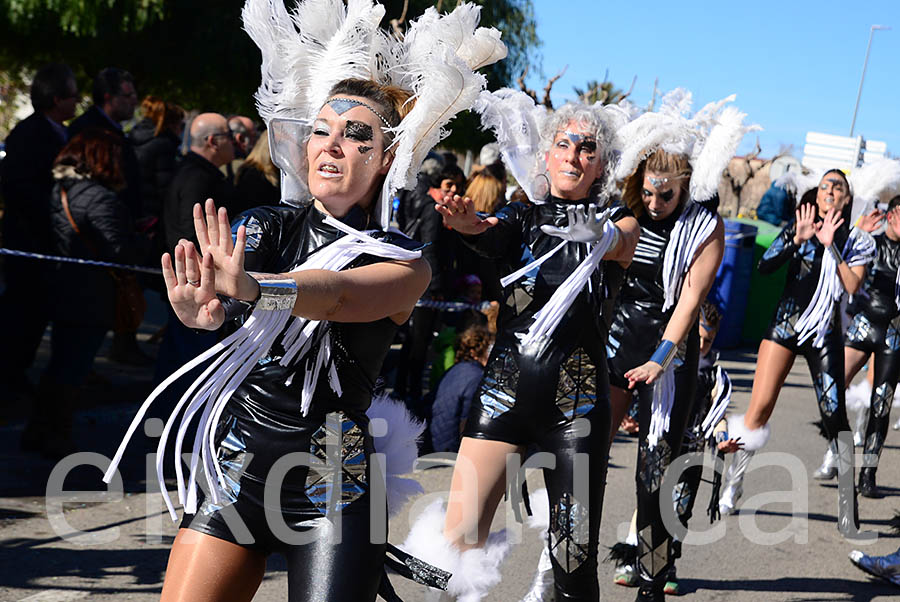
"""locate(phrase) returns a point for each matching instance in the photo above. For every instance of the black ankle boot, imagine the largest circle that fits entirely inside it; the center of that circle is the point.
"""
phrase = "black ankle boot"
(867, 486)
(650, 592)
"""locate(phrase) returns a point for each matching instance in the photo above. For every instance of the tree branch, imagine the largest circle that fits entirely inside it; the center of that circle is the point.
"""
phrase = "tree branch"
(521, 81)
(396, 23)
(547, 102)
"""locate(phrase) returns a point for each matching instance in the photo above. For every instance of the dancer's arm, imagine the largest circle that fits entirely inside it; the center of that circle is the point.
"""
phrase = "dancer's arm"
(851, 278)
(493, 236)
(363, 294)
(698, 281)
(630, 233)
(784, 246)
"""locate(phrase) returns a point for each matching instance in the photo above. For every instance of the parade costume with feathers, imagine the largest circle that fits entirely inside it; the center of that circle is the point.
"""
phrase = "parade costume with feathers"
(664, 254)
(281, 387)
(545, 382)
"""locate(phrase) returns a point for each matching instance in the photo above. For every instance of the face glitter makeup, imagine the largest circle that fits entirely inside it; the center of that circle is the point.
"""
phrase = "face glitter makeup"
(342, 105)
(358, 131)
(363, 149)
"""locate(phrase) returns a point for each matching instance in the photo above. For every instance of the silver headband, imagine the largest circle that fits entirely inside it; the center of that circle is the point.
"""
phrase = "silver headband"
(342, 105)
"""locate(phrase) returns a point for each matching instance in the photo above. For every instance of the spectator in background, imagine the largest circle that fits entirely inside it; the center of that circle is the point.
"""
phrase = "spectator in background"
(489, 160)
(198, 178)
(458, 387)
(26, 182)
(88, 221)
(488, 193)
(157, 139)
(776, 206)
(421, 222)
(115, 99)
(257, 179)
(245, 136)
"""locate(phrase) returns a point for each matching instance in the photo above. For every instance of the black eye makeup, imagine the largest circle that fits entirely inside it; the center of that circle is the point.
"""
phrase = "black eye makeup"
(667, 195)
(358, 131)
(589, 146)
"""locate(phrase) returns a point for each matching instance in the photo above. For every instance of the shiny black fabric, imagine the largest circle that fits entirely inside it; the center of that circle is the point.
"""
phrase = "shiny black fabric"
(637, 329)
(876, 330)
(553, 394)
(262, 426)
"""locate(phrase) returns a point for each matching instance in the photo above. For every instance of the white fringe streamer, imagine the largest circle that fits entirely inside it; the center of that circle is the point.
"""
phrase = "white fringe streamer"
(661, 408)
(550, 315)
(694, 226)
(235, 357)
(816, 318)
(721, 399)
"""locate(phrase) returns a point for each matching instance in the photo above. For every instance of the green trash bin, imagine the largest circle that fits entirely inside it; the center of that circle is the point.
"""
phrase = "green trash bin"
(764, 290)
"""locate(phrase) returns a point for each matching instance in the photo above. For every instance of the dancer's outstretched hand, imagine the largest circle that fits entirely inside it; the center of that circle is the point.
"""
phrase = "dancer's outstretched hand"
(806, 223)
(460, 215)
(832, 222)
(191, 287)
(730, 446)
(214, 236)
(870, 221)
(584, 224)
(645, 373)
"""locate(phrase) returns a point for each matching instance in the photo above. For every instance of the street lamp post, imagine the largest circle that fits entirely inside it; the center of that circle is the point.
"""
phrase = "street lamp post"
(863, 78)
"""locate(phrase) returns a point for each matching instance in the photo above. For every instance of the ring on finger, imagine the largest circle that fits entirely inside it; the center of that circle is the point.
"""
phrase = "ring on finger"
(194, 282)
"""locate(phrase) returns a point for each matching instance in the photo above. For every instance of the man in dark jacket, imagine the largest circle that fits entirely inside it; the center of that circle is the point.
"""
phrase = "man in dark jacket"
(26, 182)
(198, 178)
(115, 99)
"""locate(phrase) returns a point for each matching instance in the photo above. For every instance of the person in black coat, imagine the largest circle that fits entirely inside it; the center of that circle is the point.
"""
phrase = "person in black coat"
(257, 180)
(87, 221)
(198, 178)
(25, 183)
(157, 141)
(115, 99)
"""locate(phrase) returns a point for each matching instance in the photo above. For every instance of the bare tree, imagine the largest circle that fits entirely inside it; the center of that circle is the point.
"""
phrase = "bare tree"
(547, 102)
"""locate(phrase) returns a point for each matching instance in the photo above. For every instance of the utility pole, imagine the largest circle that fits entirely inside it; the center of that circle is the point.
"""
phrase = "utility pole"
(863, 78)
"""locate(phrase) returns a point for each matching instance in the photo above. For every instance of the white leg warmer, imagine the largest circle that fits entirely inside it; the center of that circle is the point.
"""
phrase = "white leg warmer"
(753, 439)
(542, 586)
(474, 571)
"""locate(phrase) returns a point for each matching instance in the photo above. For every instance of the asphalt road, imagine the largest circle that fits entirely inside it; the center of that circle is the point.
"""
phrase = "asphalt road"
(771, 550)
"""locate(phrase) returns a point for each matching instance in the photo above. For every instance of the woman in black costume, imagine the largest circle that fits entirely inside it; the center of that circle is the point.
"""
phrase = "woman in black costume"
(826, 258)
(549, 390)
(645, 321)
(875, 330)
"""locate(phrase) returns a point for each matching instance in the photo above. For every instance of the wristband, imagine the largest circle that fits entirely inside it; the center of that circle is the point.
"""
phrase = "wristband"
(664, 354)
(617, 234)
(837, 255)
(277, 295)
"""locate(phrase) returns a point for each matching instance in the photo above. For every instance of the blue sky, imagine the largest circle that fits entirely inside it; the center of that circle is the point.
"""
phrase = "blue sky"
(795, 65)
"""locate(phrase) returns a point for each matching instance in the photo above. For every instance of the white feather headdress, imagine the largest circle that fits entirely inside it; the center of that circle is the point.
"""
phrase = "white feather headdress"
(709, 138)
(869, 184)
(307, 51)
(520, 126)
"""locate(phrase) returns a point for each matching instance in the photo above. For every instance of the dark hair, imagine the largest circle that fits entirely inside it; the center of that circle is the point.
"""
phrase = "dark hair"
(452, 172)
(472, 343)
(109, 81)
(894, 203)
(709, 313)
(50, 82)
(96, 154)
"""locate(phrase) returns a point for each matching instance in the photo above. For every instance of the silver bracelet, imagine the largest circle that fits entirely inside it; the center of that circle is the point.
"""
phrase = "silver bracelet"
(276, 295)
(837, 254)
(664, 354)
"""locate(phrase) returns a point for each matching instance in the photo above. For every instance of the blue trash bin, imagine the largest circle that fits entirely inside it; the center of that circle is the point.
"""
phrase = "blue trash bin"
(732, 286)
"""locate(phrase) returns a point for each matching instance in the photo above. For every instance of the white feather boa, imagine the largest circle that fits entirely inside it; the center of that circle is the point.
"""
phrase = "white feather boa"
(396, 433)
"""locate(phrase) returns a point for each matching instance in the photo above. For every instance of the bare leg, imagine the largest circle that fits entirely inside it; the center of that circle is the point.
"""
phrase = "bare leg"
(619, 400)
(204, 568)
(854, 360)
(479, 481)
(772, 366)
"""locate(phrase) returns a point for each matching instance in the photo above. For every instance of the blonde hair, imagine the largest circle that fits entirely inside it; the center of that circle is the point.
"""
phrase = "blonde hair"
(485, 190)
(661, 162)
(260, 158)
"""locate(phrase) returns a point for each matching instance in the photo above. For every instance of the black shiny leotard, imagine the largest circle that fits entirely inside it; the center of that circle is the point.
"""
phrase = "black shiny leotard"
(876, 330)
(826, 364)
(636, 331)
(553, 394)
(262, 425)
